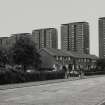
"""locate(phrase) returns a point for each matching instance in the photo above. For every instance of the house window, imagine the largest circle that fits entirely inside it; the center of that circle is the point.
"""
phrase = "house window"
(57, 58)
(87, 60)
(60, 58)
(79, 60)
(69, 58)
(93, 61)
(84, 59)
(65, 58)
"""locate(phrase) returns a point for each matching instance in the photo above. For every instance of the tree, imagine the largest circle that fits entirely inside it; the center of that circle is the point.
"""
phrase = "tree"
(25, 54)
(101, 63)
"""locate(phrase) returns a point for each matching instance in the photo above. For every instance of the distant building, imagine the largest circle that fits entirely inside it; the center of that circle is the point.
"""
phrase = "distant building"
(4, 42)
(45, 38)
(56, 57)
(15, 37)
(7, 42)
(75, 37)
(102, 37)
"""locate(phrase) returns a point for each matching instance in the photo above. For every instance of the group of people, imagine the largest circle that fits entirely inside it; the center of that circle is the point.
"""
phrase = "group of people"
(71, 70)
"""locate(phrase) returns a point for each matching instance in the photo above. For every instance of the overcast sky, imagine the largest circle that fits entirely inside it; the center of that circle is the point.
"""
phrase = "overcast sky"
(18, 16)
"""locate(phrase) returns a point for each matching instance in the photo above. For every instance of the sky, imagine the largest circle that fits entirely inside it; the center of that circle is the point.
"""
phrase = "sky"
(18, 16)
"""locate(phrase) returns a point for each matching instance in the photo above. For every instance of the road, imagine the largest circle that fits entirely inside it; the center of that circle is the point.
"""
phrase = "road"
(89, 91)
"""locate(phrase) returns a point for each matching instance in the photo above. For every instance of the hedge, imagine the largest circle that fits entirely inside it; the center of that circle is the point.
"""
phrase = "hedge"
(11, 76)
(87, 73)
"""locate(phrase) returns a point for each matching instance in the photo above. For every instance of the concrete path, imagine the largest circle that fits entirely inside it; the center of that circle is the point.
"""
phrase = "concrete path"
(89, 91)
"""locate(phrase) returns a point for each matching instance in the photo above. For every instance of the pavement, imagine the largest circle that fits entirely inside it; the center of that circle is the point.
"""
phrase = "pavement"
(89, 91)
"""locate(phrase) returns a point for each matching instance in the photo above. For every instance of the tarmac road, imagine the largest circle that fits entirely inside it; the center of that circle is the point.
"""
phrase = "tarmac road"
(89, 91)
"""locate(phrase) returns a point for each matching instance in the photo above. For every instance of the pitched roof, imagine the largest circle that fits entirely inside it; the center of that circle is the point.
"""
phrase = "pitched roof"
(58, 52)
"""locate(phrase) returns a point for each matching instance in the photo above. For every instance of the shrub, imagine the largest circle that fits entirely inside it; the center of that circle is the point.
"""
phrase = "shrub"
(87, 73)
(48, 75)
(9, 76)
